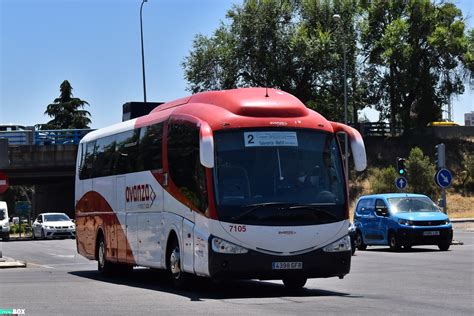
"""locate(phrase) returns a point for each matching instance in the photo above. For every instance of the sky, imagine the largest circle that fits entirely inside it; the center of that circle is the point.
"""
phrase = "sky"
(95, 44)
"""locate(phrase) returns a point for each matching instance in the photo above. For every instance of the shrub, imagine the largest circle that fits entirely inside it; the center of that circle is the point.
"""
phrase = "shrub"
(468, 174)
(383, 180)
(420, 174)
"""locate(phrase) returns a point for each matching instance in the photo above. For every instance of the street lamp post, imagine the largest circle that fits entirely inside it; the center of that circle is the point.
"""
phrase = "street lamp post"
(337, 19)
(143, 52)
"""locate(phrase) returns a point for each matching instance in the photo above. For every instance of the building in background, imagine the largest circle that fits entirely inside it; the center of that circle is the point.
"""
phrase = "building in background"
(469, 119)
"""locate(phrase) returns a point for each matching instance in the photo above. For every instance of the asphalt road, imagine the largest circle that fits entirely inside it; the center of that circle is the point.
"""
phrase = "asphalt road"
(421, 281)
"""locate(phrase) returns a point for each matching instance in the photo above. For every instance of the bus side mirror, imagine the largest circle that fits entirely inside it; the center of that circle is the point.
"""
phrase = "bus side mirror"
(206, 146)
(357, 144)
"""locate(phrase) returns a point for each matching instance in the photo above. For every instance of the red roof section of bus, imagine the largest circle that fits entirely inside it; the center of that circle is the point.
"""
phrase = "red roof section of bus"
(239, 108)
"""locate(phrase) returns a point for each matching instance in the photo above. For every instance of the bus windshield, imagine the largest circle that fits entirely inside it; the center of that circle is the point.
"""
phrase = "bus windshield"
(278, 177)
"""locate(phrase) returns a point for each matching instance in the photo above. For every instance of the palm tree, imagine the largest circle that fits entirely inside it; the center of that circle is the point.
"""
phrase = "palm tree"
(67, 112)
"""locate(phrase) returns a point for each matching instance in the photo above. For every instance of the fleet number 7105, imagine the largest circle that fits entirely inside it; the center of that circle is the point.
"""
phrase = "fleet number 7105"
(237, 228)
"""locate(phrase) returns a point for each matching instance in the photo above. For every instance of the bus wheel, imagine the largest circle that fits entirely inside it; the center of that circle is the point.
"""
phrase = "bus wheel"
(178, 276)
(103, 265)
(294, 283)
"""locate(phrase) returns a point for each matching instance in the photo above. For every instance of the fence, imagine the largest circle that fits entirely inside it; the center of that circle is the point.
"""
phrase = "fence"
(47, 137)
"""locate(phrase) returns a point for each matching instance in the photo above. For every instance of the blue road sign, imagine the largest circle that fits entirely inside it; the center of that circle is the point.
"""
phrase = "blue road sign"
(443, 178)
(401, 183)
(22, 207)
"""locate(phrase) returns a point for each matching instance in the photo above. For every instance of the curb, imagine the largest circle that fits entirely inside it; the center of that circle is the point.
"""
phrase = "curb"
(6, 263)
(462, 220)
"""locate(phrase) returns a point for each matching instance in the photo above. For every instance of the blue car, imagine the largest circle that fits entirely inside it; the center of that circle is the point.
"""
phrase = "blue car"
(399, 219)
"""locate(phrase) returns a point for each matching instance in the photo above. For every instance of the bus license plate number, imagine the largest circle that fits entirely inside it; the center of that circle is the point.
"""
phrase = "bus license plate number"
(287, 265)
(431, 233)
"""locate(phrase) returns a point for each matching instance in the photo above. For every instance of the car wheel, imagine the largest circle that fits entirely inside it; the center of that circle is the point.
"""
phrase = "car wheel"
(393, 242)
(294, 283)
(43, 236)
(180, 278)
(33, 233)
(359, 242)
(444, 246)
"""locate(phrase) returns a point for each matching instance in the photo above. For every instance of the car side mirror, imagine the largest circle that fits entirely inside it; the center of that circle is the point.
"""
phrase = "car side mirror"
(381, 211)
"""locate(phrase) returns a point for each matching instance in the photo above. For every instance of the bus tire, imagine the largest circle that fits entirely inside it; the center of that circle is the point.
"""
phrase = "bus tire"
(104, 266)
(179, 278)
(294, 283)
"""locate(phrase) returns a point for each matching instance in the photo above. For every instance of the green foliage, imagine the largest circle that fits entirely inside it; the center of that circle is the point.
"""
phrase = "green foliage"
(403, 57)
(421, 174)
(467, 176)
(15, 228)
(383, 180)
(295, 46)
(67, 112)
(417, 48)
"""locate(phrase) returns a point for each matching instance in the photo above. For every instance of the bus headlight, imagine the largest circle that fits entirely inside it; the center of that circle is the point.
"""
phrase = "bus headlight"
(343, 244)
(222, 246)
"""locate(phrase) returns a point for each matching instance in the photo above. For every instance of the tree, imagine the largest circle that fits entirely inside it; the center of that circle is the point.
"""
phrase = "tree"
(421, 174)
(67, 112)
(417, 48)
(295, 46)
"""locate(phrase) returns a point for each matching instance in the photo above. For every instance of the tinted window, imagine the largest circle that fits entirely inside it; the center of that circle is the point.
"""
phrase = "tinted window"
(185, 168)
(127, 151)
(150, 155)
(104, 163)
(87, 161)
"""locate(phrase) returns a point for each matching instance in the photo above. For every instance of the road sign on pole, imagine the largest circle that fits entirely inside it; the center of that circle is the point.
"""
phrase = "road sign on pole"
(4, 183)
(443, 178)
(401, 183)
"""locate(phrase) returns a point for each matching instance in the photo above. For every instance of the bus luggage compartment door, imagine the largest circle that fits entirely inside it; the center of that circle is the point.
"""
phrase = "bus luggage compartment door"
(188, 246)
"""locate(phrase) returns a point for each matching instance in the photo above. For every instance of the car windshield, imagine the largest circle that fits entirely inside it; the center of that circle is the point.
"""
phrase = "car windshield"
(412, 204)
(56, 218)
(283, 177)
(2, 214)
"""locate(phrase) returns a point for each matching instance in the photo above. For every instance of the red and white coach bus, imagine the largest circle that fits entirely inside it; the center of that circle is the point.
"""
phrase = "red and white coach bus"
(245, 183)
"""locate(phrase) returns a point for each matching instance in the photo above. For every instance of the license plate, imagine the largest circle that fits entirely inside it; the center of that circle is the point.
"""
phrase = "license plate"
(431, 233)
(287, 265)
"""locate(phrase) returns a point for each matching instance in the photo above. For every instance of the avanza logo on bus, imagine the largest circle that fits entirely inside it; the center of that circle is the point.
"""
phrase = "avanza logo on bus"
(140, 193)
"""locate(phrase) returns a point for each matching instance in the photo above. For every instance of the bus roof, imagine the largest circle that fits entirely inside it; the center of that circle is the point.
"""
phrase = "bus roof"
(238, 108)
(228, 109)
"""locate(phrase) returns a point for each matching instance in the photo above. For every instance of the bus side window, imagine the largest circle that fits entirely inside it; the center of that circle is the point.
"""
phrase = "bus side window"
(150, 155)
(185, 168)
(104, 157)
(127, 152)
(87, 161)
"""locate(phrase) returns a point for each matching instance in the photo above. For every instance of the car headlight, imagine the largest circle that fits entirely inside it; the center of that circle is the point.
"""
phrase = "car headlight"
(406, 222)
(71, 227)
(446, 222)
(222, 246)
(343, 244)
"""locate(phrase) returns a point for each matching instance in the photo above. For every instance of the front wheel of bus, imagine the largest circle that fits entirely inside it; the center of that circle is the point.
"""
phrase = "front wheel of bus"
(178, 276)
(294, 283)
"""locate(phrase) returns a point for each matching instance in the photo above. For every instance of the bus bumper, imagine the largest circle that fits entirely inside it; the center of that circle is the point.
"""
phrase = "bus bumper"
(256, 265)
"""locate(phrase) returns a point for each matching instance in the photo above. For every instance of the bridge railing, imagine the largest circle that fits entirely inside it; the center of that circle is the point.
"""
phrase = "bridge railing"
(45, 137)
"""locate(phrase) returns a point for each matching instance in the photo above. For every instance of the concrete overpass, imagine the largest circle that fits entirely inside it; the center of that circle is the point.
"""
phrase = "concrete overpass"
(48, 166)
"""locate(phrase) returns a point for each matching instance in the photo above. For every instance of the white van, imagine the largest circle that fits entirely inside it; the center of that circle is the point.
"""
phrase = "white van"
(4, 225)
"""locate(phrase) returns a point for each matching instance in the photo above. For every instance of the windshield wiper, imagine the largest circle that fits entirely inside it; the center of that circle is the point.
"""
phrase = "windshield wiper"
(314, 207)
(254, 207)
